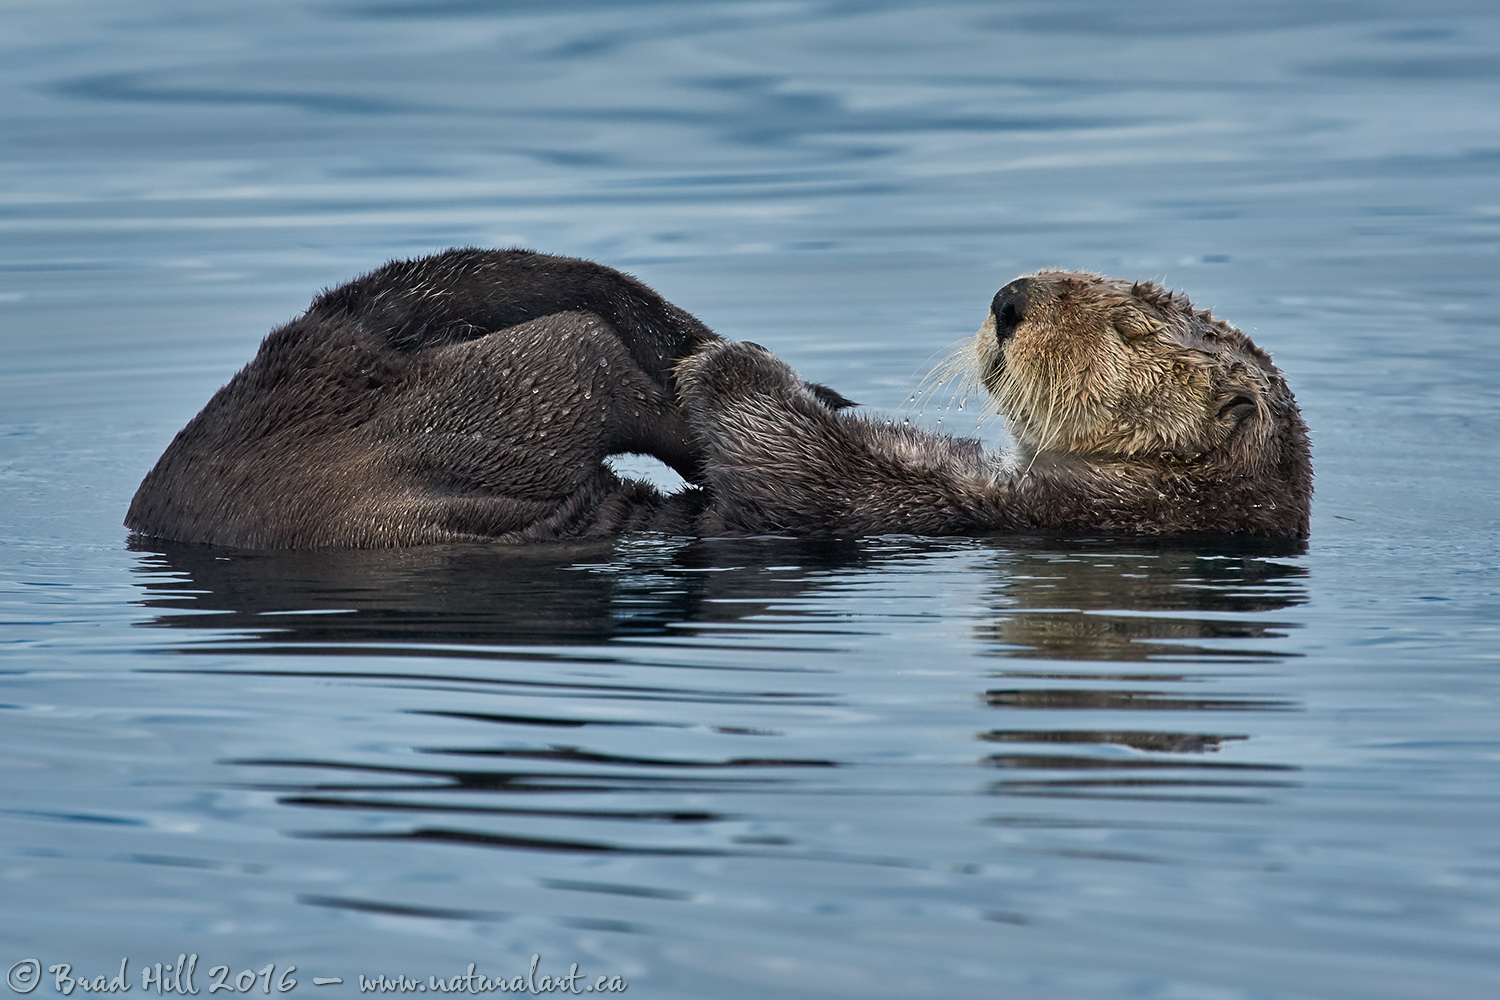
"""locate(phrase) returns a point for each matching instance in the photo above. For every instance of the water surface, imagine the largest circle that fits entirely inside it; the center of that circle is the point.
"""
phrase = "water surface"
(886, 767)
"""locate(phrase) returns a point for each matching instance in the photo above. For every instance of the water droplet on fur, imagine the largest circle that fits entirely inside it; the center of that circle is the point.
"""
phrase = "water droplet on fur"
(588, 395)
(505, 371)
(535, 391)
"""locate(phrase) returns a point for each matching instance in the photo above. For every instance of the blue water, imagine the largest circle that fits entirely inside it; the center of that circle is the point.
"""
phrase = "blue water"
(890, 767)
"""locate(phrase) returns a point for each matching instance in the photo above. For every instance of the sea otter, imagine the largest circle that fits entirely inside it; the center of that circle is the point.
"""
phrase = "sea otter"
(474, 395)
(1133, 412)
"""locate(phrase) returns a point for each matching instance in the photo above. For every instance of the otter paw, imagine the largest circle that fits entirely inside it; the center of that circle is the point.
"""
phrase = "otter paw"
(726, 372)
(723, 372)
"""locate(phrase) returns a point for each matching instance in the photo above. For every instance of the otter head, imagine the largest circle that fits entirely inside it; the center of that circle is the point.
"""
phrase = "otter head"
(1116, 373)
(1085, 365)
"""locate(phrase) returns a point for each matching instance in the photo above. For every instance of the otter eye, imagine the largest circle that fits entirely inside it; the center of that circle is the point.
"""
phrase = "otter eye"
(1134, 326)
(1237, 409)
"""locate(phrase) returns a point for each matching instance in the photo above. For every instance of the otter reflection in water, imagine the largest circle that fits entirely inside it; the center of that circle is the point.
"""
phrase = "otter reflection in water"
(523, 642)
(474, 396)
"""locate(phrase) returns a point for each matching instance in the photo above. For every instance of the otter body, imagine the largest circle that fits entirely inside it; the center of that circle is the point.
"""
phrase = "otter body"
(474, 396)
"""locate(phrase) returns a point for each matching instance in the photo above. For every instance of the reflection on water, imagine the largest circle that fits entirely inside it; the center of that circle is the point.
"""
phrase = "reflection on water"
(1138, 604)
(490, 632)
(468, 596)
(1115, 601)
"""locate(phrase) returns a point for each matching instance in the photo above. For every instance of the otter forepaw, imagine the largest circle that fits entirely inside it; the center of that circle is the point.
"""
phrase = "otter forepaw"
(771, 442)
(724, 372)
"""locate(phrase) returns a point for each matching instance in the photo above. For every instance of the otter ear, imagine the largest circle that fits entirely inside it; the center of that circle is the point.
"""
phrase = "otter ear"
(1133, 324)
(1237, 405)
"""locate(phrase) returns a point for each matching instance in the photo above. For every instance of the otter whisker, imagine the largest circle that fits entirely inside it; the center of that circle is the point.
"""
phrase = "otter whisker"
(960, 368)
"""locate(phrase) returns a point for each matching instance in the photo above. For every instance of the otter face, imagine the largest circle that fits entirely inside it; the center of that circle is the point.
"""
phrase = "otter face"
(1086, 365)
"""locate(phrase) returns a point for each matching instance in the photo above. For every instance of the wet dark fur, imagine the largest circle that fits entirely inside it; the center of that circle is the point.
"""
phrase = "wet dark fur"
(469, 395)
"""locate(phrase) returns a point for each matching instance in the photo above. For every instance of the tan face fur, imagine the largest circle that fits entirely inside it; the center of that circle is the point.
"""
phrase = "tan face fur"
(1091, 366)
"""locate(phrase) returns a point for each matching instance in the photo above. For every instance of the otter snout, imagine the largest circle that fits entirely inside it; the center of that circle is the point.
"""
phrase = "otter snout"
(1009, 308)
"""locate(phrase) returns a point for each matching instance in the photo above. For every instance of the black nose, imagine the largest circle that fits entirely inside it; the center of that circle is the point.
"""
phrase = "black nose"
(1009, 308)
